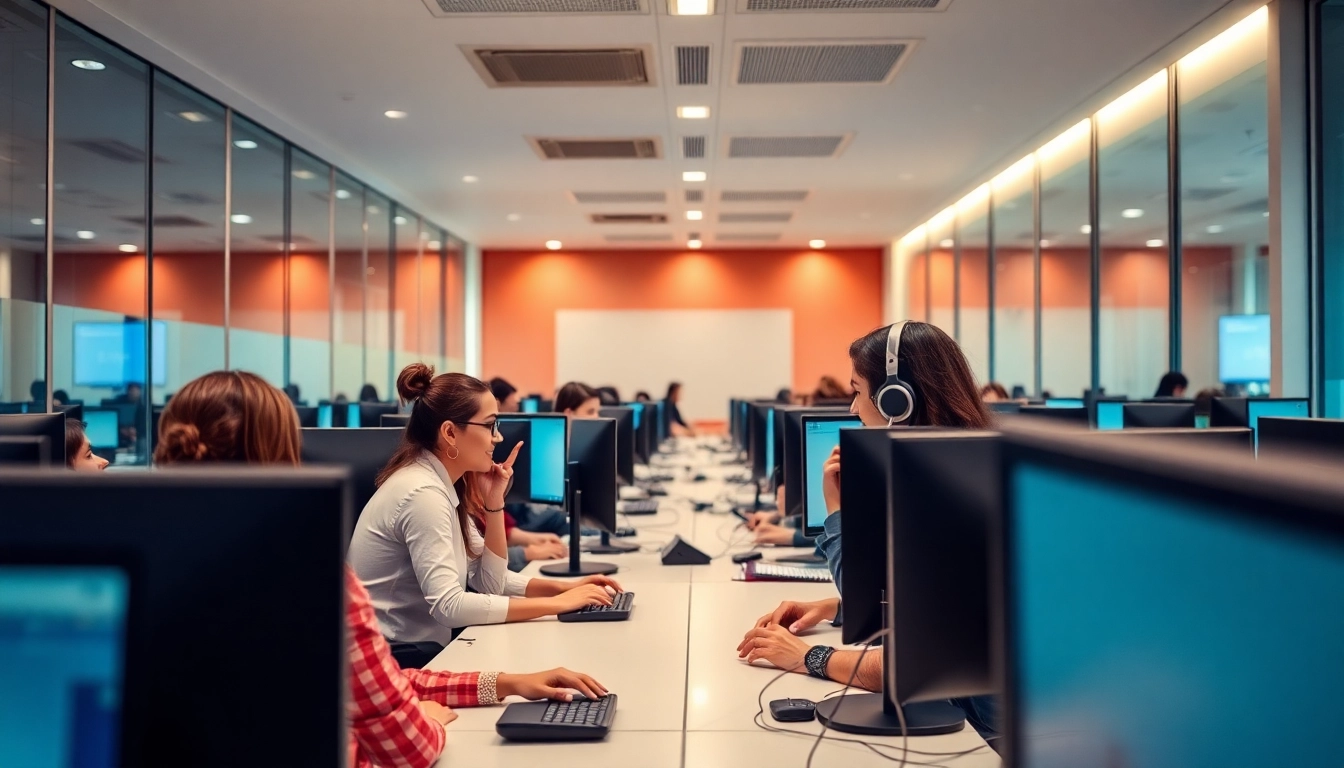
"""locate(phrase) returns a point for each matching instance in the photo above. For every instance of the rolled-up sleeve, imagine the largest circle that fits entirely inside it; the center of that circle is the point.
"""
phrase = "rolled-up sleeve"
(429, 526)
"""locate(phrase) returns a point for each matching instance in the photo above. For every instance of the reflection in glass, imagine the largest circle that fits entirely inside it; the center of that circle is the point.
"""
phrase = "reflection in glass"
(257, 255)
(100, 337)
(406, 298)
(309, 278)
(455, 300)
(23, 205)
(1224, 126)
(378, 371)
(973, 280)
(942, 266)
(1135, 271)
(188, 231)
(1066, 263)
(348, 301)
(911, 265)
(431, 297)
(1015, 278)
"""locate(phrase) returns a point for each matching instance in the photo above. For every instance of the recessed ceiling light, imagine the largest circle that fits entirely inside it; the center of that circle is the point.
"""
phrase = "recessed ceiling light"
(694, 176)
(245, 144)
(1265, 214)
(470, 179)
(304, 174)
(816, 244)
(342, 194)
(394, 114)
(240, 218)
(37, 222)
(695, 215)
(948, 243)
(89, 64)
(553, 245)
(127, 248)
(1214, 229)
(693, 113)
(85, 234)
(1086, 229)
(1132, 213)
(398, 220)
(1045, 243)
(1155, 243)
(433, 245)
(193, 117)
(690, 7)
(514, 216)
(693, 244)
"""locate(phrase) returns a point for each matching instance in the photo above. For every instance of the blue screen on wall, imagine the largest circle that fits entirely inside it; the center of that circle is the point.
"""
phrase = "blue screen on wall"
(113, 354)
(1243, 348)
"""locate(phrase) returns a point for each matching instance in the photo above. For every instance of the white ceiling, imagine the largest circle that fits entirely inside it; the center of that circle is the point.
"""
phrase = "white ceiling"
(986, 77)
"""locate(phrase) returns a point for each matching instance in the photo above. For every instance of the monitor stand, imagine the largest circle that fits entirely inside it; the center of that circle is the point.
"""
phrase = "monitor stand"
(575, 568)
(871, 714)
(609, 547)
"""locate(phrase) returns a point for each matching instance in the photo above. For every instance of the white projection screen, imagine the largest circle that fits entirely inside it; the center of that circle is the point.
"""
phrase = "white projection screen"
(715, 354)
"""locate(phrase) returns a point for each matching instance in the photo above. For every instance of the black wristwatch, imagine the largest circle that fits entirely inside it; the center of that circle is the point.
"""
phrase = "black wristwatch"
(818, 657)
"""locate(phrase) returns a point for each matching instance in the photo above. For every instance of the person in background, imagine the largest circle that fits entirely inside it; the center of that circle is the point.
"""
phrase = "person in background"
(396, 716)
(1204, 400)
(830, 389)
(774, 528)
(368, 394)
(578, 401)
(130, 435)
(436, 525)
(507, 395)
(533, 533)
(60, 397)
(37, 391)
(678, 426)
(784, 396)
(1173, 384)
(292, 392)
(643, 397)
(993, 392)
(79, 455)
(945, 396)
(609, 395)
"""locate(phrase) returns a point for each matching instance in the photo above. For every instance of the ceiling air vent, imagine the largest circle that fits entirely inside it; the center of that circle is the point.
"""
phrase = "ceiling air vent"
(692, 65)
(786, 6)
(561, 68)
(166, 222)
(695, 195)
(692, 147)
(115, 149)
(628, 218)
(786, 146)
(755, 218)
(839, 61)
(764, 196)
(605, 198)
(637, 238)
(596, 149)
(747, 237)
(448, 9)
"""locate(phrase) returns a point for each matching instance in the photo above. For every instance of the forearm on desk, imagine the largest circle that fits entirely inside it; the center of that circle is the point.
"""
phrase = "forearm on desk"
(842, 665)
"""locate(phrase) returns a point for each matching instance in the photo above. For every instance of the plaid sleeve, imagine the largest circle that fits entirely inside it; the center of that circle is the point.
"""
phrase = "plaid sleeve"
(453, 689)
(386, 724)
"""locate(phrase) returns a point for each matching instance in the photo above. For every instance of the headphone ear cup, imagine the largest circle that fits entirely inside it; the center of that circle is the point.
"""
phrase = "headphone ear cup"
(894, 402)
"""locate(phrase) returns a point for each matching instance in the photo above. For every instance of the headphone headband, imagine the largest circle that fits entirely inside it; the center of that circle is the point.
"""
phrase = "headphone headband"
(896, 399)
(894, 348)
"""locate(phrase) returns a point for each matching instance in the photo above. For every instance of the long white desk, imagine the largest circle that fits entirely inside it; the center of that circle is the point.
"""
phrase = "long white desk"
(685, 699)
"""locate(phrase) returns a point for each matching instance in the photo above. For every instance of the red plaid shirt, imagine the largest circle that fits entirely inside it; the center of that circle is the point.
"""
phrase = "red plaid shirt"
(387, 727)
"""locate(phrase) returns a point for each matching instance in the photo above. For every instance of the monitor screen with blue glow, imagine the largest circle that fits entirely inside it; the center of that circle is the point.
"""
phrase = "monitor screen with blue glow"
(324, 416)
(638, 408)
(100, 426)
(1064, 402)
(1143, 621)
(1288, 408)
(819, 439)
(113, 354)
(352, 416)
(769, 444)
(743, 421)
(530, 405)
(1243, 348)
(662, 421)
(1110, 414)
(62, 651)
(548, 459)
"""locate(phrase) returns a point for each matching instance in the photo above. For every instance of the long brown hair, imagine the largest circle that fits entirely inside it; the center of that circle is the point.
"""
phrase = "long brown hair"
(454, 397)
(934, 366)
(572, 396)
(229, 416)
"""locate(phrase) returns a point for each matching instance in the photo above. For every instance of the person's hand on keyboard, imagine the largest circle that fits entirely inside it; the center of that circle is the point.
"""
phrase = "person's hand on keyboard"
(797, 617)
(769, 533)
(776, 645)
(582, 596)
(602, 581)
(548, 550)
(758, 518)
(551, 684)
(438, 712)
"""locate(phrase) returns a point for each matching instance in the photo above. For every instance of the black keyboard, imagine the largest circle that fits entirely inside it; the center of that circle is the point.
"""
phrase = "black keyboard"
(558, 720)
(619, 610)
(638, 507)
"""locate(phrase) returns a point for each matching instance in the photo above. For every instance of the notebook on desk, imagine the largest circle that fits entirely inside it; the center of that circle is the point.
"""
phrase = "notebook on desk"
(759, 571)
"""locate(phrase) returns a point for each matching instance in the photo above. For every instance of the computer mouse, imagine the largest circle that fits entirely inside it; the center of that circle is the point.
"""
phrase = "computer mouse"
(793, 710)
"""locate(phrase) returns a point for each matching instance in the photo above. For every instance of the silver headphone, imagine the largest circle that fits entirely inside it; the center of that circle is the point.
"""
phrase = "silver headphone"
(896, 399)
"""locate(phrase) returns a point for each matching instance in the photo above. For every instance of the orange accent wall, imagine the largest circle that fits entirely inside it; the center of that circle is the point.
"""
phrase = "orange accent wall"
(835, 295)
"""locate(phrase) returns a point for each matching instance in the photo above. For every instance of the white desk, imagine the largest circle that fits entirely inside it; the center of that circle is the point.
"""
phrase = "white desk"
(685, 698)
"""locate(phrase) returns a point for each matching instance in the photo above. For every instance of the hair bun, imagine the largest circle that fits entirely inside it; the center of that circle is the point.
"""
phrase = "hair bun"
(414, 381)
(181, 442)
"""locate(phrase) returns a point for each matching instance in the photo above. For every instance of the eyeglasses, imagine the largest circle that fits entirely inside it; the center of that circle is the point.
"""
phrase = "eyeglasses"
(493, 426)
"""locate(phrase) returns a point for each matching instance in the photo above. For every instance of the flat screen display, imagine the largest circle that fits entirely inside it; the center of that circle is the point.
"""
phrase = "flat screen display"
(100, 427)
(548, 460)
(819, 439)
(113, 354)
(1243, 348)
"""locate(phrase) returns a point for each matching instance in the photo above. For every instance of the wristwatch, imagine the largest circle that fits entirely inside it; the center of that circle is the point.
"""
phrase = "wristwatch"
(818, 657)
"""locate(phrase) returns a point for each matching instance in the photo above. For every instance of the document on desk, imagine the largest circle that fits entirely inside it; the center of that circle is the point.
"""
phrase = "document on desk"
(758, 571)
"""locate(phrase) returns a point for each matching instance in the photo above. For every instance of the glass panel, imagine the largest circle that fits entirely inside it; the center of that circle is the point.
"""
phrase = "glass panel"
(1135, 275)
(973, 280)
(348, 302)
(23, 205)
(431, 298)
(188, 231)
(257, 257)
(1066, 263)
(101, 346)
(911, 263)
(942, 266)
(1331, 106)
(309, 279)
(378, 299)
(1224, 133)
(455, 299)
(1015, 279)
(406, 301)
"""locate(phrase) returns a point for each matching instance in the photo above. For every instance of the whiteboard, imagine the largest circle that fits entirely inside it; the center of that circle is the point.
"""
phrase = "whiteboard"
(716, 354)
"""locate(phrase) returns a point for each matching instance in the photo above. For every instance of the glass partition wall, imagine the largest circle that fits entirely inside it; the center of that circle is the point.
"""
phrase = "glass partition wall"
(185, 238)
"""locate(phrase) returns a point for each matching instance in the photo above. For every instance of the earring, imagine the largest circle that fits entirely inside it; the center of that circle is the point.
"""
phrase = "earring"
(455, 455)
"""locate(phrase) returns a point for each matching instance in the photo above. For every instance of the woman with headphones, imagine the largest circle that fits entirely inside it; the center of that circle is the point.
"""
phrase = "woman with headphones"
(906, 374)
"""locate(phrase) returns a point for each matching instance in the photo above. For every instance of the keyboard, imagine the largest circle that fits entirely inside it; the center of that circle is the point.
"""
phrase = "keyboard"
(640, 507)
(576, 720)
(758, 571)
(619, 610)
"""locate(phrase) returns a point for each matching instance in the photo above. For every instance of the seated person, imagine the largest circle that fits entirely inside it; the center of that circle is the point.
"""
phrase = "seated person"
(676, 424)
(945, 396)
(774, 528)
(510, 400)
(79, 455)
(526, 546)
(993, 392)
(578, 401)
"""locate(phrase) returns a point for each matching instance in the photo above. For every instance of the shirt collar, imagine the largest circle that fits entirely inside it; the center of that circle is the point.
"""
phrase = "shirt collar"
(434, 463)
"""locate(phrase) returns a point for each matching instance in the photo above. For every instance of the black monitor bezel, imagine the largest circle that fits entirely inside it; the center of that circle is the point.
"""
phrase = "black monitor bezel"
(588, 437)
(625, 440)
(1133, 414)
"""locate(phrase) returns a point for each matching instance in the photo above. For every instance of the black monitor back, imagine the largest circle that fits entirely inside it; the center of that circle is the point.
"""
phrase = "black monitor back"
(592, 450)
(1314, 439)
(398, 420)
(625, 441)
(864, 493)
(512, 431)
(236, 573)
(791, 458)
(71, 411)
(1236, 438)
(370, 414)
(1229, 412)
(1160, 415)
(364, 451)
(1076, 416)
(48, 425)
(758, 414)
(307, 416)
(32, 451)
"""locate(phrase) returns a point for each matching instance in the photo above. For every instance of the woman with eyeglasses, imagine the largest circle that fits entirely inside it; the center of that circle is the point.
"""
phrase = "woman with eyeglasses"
(436, 524)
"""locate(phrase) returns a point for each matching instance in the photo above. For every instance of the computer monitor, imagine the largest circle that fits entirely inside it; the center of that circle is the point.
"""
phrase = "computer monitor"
(207, 545)
(743, 435)
(63, 637)
(48, 425)
(546, 440)
(1110, 414)
(530, 404)
(1152, 596)
(1311, 439)
(1075, 416)
(760, 424)
(31, 451)
(7, 409)
(592, 491)
(1003, 407)
(791, 455)
(371, 414)
(1064, 402)
(126, 412)
(364, 451)
(1236, 438)
(821, 436)
(513, 431)
(352, 416)
(398, 420)
(640, 432)
(660, 419)
(71, 411)
(100, 426)
(1159, 415)
(625, 441)
(113, 354)
(307, 416)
